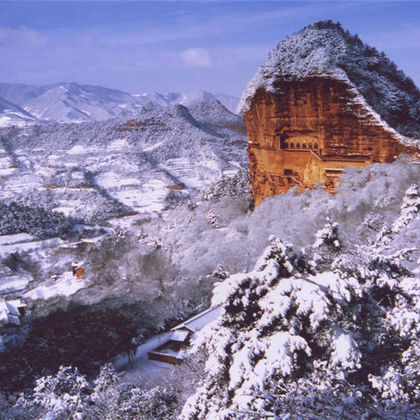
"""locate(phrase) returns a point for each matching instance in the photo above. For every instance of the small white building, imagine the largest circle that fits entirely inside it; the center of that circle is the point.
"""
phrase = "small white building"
(173, 350)
(11, 311)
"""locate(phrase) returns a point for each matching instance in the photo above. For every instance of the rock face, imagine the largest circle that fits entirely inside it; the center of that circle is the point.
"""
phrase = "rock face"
(309, 134)
(305, 126)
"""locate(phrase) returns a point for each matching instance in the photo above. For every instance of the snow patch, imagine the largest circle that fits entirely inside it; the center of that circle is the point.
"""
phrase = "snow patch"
(67, 285)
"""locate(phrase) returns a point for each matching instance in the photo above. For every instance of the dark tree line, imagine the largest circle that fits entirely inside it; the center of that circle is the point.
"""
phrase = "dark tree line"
(81, 337)
(18, 218)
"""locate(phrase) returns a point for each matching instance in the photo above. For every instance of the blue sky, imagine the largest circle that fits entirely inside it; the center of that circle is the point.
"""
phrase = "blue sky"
(140, 46)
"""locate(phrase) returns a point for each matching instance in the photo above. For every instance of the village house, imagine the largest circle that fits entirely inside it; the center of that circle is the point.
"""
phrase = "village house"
(77, 270)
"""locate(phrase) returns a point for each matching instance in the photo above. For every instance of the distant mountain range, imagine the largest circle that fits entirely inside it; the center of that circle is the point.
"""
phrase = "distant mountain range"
(144, 159)
(70, 102)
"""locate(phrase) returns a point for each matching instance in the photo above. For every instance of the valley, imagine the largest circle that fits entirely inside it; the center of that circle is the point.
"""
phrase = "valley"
(291, 229)
(102, 181)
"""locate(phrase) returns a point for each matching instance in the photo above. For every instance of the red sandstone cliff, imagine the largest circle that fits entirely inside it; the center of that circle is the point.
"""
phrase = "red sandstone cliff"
(306, 123)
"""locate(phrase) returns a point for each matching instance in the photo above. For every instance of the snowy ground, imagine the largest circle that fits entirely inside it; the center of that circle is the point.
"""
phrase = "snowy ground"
(80, 181)
(52, 258)
(26, 245)
(141, 365)
(12, 284)
(65, 285)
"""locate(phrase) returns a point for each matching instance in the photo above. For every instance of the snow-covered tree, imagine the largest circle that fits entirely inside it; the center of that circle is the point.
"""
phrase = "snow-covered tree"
(61, 396)
(16, 218)
(68, 396)
(334, 339)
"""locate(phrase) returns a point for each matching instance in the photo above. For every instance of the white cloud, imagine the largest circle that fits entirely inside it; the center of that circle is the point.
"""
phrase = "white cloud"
(197, 57)
(22, 36)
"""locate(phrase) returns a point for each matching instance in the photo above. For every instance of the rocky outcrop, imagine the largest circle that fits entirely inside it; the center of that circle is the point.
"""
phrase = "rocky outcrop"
(310, 133)
(306, 128)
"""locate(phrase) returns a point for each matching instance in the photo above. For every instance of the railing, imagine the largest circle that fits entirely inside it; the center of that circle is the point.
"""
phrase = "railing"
(316, 155)
(271, 179)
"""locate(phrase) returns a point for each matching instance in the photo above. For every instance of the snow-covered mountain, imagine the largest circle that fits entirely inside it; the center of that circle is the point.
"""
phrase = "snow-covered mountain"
(67, 102)
(207, 109)
(298, 336)
(326, 49)
(19, 93)
(11, 114)
(230, 102)
(72, 102)
(154, 97)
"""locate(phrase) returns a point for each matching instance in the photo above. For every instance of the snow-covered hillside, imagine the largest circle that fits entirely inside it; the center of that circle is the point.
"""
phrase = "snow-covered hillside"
(299, 336)
(11, 114)
(139, 163)
(230, 102)
(326, 49)
(206, 109)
